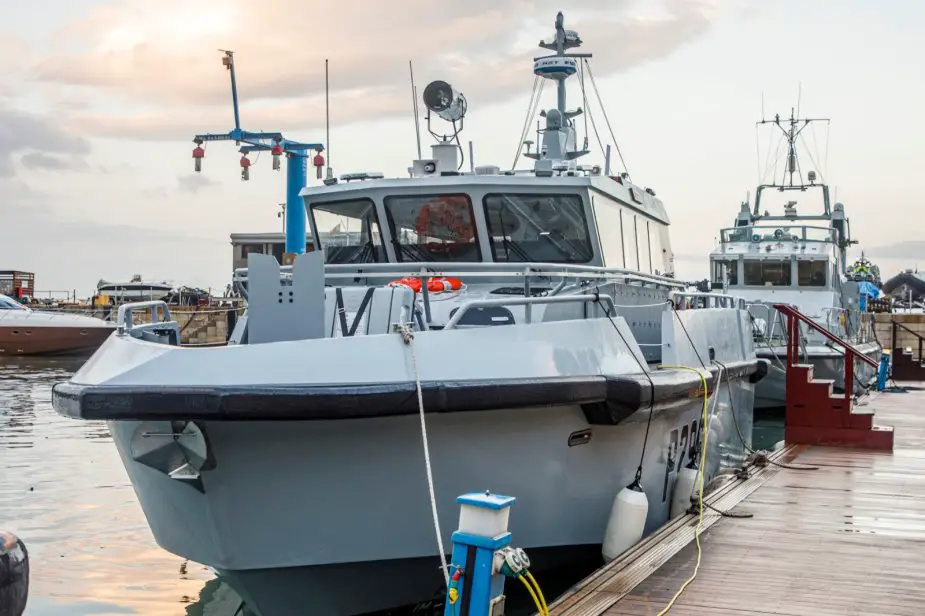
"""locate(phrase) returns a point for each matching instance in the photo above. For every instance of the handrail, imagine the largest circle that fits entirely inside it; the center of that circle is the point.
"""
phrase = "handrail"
(527, 301)
(524, 273)
(794, 316)
(479, 269)
(894, 323)
(711, 300)
(125, 321)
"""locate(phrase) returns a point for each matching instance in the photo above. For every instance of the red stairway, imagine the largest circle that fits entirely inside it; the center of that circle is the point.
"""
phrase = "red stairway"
(907, 366)
(817, 416)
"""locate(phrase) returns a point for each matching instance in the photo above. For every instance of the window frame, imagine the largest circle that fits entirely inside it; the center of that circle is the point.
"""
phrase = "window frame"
(316, 233)
(825, 270)
(584, 213)
(787, 266)
(732, 271)
(395, 238)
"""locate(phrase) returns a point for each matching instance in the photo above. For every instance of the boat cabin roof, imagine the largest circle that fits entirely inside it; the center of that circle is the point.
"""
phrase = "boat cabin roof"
(617, 187)
(484, 217)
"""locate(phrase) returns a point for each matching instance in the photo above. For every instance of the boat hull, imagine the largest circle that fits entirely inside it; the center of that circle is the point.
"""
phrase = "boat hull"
(294, 513)
(51, 340)
(828, 364)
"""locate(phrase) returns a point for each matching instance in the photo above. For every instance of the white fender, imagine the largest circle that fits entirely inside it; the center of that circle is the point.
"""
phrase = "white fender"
(685, 490)
(626, 523)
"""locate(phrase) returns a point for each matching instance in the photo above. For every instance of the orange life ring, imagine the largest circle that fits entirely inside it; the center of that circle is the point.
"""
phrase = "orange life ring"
(413, 283)
(442, 283)
(438, 284)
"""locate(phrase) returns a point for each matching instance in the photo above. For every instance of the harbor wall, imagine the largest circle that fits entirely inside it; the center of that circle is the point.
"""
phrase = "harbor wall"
(208, 325)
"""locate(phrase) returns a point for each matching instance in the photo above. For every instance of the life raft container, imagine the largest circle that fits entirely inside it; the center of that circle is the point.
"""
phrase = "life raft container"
(438, 284)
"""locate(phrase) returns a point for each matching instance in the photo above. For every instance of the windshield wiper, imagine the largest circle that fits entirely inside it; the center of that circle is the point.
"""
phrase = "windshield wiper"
(411, 251)
(569, 252)
(517, 250)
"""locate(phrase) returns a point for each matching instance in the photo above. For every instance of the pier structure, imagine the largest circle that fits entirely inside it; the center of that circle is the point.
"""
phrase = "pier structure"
(825, 525)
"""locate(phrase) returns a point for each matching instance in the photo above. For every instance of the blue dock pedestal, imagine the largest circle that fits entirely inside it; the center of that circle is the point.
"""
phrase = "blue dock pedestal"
(476, 585)
(884, 372)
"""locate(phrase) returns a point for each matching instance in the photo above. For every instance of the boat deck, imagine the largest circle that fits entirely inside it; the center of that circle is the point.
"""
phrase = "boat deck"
(843, 539)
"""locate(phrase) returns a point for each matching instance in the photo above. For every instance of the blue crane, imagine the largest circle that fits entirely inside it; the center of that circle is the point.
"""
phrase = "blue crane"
(296, 161)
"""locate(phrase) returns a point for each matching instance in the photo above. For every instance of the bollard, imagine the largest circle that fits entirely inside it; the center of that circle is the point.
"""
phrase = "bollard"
(884, 370)
(14, 575)
(476, 577)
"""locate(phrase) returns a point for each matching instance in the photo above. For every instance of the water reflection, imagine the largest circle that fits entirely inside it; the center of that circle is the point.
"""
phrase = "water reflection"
(65, 492)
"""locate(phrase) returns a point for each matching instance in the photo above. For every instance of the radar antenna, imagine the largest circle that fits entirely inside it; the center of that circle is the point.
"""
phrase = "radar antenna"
(558, 136)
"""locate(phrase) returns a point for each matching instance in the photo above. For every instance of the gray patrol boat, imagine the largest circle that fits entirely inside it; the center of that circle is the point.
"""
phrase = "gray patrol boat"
(451, 331)
(797, 256)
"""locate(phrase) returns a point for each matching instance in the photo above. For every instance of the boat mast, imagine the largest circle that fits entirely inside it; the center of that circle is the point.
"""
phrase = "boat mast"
(791, 129)
(559, 140)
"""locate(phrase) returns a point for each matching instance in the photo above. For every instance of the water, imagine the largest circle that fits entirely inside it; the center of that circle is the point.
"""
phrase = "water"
(767, 429)
(64, 491)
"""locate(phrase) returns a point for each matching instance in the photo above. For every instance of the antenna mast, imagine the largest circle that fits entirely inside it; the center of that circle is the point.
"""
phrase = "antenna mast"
(794, 127)
(559, 137)
(414, 107)
(327, 120)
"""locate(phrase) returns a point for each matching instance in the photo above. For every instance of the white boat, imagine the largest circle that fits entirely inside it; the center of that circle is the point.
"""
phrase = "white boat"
(797, 257)
(134, 290)
(512, 331)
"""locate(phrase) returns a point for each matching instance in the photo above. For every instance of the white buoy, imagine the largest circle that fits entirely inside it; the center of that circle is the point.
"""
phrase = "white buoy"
(684, 490)
(779, 445)
(627, 521)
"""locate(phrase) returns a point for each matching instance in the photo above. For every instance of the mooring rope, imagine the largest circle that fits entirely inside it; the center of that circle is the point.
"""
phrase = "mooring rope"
(407, 336)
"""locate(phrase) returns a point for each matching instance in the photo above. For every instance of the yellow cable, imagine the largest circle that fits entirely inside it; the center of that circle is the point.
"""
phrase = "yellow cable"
(538, 592)
(536, 602)
(703, 462)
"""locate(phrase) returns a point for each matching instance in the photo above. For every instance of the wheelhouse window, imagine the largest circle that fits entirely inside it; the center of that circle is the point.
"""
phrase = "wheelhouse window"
(433, 228)
(811, 273)
(767, 272)
(348, 231)
(727, 269)
(538, 228)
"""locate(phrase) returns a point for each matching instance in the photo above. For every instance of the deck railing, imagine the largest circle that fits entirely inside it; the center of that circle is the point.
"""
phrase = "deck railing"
(555, 277)
(688, 301)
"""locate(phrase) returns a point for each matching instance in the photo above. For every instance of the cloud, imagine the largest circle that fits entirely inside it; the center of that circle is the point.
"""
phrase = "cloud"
(20, 132)
(45, 162)
(194, 183)
(909, 251)
(105, 249)
(140, 58)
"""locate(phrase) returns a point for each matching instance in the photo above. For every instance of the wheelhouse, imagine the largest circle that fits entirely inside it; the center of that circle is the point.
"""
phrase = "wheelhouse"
(590, 220)
(776, 257)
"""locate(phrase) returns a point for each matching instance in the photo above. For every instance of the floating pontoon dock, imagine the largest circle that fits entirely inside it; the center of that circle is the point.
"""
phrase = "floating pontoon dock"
(842, 539)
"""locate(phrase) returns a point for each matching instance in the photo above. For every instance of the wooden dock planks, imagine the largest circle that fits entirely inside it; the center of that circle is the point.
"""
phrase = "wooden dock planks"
(846, 539)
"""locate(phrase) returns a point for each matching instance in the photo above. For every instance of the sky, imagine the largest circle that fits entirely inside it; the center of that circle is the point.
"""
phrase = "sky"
(100, 99)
